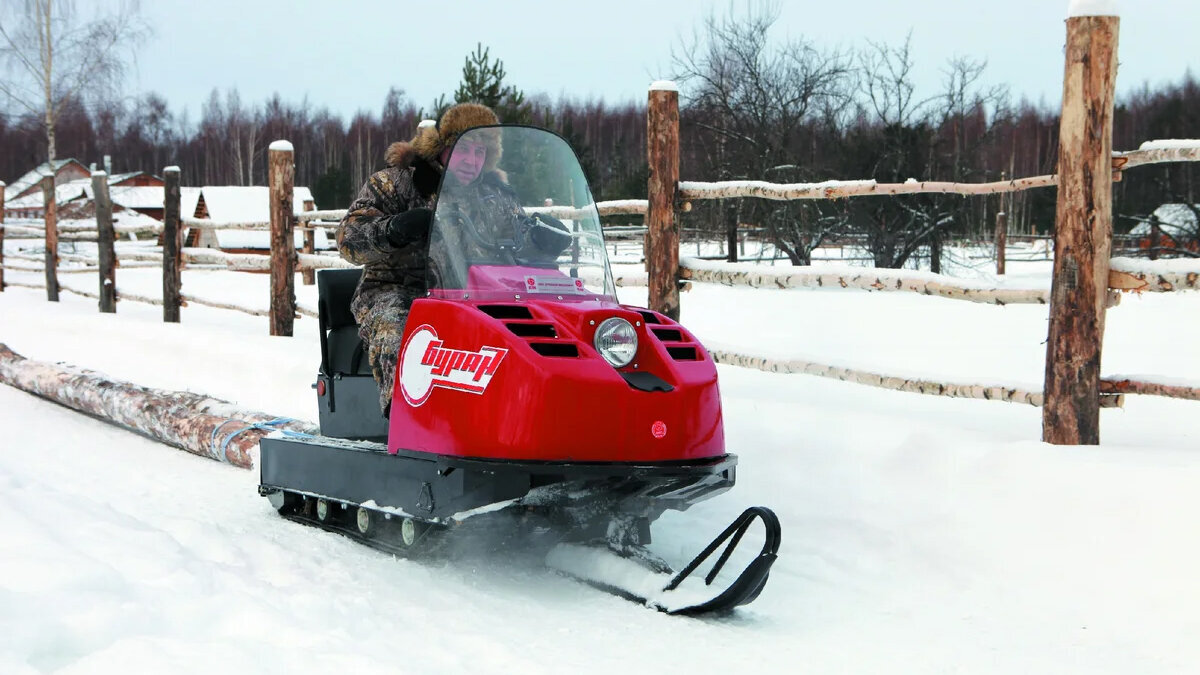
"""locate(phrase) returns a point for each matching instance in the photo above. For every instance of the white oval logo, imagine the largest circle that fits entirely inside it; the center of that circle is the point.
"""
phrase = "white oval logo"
(425, 364)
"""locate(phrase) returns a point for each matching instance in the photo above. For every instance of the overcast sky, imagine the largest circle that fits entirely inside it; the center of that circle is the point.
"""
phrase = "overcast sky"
(346, 54)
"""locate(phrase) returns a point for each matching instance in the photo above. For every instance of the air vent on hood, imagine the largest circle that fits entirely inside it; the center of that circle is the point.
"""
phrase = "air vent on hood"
(562, 350)
(683, 353)
(506, 311)
(533, 330)
(668, 334)
(649, 317)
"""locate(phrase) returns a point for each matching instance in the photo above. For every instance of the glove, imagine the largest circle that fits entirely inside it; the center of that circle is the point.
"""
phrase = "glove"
(549, 235)
(409, 227)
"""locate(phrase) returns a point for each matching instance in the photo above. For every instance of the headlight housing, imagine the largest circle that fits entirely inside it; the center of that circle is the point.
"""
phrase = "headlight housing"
(617, 342)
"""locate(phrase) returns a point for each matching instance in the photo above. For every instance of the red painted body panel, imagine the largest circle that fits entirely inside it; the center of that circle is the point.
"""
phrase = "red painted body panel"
(493, 396)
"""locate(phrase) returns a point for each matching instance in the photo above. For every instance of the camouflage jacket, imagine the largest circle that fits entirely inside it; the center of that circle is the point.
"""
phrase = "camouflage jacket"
(408, 182)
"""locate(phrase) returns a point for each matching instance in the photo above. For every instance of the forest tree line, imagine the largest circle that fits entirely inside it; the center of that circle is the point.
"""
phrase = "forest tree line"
(751, 108)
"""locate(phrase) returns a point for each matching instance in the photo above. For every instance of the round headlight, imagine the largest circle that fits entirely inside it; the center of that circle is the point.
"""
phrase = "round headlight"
(616, 340)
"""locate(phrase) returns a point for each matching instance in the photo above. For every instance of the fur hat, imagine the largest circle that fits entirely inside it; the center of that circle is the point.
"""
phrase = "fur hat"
(432, 139)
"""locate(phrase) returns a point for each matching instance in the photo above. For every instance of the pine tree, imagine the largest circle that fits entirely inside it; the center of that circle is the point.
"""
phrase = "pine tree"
(483, 82)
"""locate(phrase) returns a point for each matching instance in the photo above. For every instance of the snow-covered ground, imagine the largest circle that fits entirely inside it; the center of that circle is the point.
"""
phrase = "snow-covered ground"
(921, 534)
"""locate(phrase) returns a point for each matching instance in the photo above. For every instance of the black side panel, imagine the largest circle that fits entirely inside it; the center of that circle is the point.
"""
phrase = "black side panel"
(351, 473)
(350, 408)
(433, 486)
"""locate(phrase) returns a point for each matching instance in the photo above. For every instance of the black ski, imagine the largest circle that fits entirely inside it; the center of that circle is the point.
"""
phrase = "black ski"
(654, 587)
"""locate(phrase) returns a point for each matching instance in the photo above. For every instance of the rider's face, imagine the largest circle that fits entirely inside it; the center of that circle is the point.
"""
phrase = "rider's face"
(466, 162)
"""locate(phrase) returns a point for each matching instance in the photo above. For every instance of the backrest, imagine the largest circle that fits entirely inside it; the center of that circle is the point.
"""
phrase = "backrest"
(341, 349)
(335, 290)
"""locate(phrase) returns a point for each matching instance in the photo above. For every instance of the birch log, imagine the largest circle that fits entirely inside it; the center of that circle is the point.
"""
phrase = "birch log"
(1083, 233)
(193, 422)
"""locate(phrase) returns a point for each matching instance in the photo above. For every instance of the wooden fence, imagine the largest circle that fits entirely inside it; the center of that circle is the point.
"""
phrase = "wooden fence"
(1084, 279)
(1085, 282)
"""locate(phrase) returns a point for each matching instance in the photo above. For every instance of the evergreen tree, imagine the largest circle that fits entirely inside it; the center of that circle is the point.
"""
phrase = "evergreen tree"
(483, 82)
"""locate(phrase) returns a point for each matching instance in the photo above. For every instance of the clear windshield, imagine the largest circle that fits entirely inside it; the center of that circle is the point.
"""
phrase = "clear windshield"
(515, 217)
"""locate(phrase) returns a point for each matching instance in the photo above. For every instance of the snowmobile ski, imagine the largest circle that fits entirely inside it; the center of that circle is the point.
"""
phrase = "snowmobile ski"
(638, 575)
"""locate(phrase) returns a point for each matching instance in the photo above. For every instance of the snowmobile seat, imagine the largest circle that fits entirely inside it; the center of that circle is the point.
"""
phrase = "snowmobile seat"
(347, 395)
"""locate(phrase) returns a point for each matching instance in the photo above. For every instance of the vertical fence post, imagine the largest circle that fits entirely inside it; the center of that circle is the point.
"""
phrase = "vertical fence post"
(280, 178)
(309, 275)
(1001, 240)
(3, 186)
(172, 246)
(50, 202)
(104, 239)
(1083, 234)
(662, 231)
(1155, 236)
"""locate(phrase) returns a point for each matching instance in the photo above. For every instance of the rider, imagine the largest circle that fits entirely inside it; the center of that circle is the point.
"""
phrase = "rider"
(387, 228)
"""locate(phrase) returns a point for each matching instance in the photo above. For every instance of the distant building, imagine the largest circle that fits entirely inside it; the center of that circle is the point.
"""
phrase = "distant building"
(1177, 226)
(249, 204)
(65, 171)
(72, 182)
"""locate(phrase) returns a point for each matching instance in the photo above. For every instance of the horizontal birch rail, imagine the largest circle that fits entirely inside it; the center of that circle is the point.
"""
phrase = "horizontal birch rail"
(869, 279)
(333, 214)
(134, 297)
(1151, 152)
(206, 224)
(1138, 276)
(916, 386)
(240, 262)
(1127, 386)
(80, 228)
(196, 423)
(833, 189)
(608, 208)
(187, 298)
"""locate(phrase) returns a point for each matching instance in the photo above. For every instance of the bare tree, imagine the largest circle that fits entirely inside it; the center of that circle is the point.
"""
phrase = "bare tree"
(57, 55)
(752, 101)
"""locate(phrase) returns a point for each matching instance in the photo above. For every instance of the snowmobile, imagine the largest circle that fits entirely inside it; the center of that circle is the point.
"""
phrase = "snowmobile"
(523, 388)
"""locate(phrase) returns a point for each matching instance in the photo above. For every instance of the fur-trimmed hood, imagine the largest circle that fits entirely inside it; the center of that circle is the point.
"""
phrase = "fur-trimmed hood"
(431, 139)
(400, 154)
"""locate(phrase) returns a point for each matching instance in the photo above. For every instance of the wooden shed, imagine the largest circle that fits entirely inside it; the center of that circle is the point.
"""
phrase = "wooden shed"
(246, 204)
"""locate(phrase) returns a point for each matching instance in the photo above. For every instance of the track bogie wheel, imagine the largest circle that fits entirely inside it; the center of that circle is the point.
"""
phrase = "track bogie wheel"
(326, 511)
(410, 530)
(367, 523)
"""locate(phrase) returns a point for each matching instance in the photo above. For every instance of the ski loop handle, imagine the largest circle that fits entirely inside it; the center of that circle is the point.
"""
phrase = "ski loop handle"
(736, 530)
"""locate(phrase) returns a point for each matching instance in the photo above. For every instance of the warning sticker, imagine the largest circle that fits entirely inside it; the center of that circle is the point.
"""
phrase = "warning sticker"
(553, 284)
